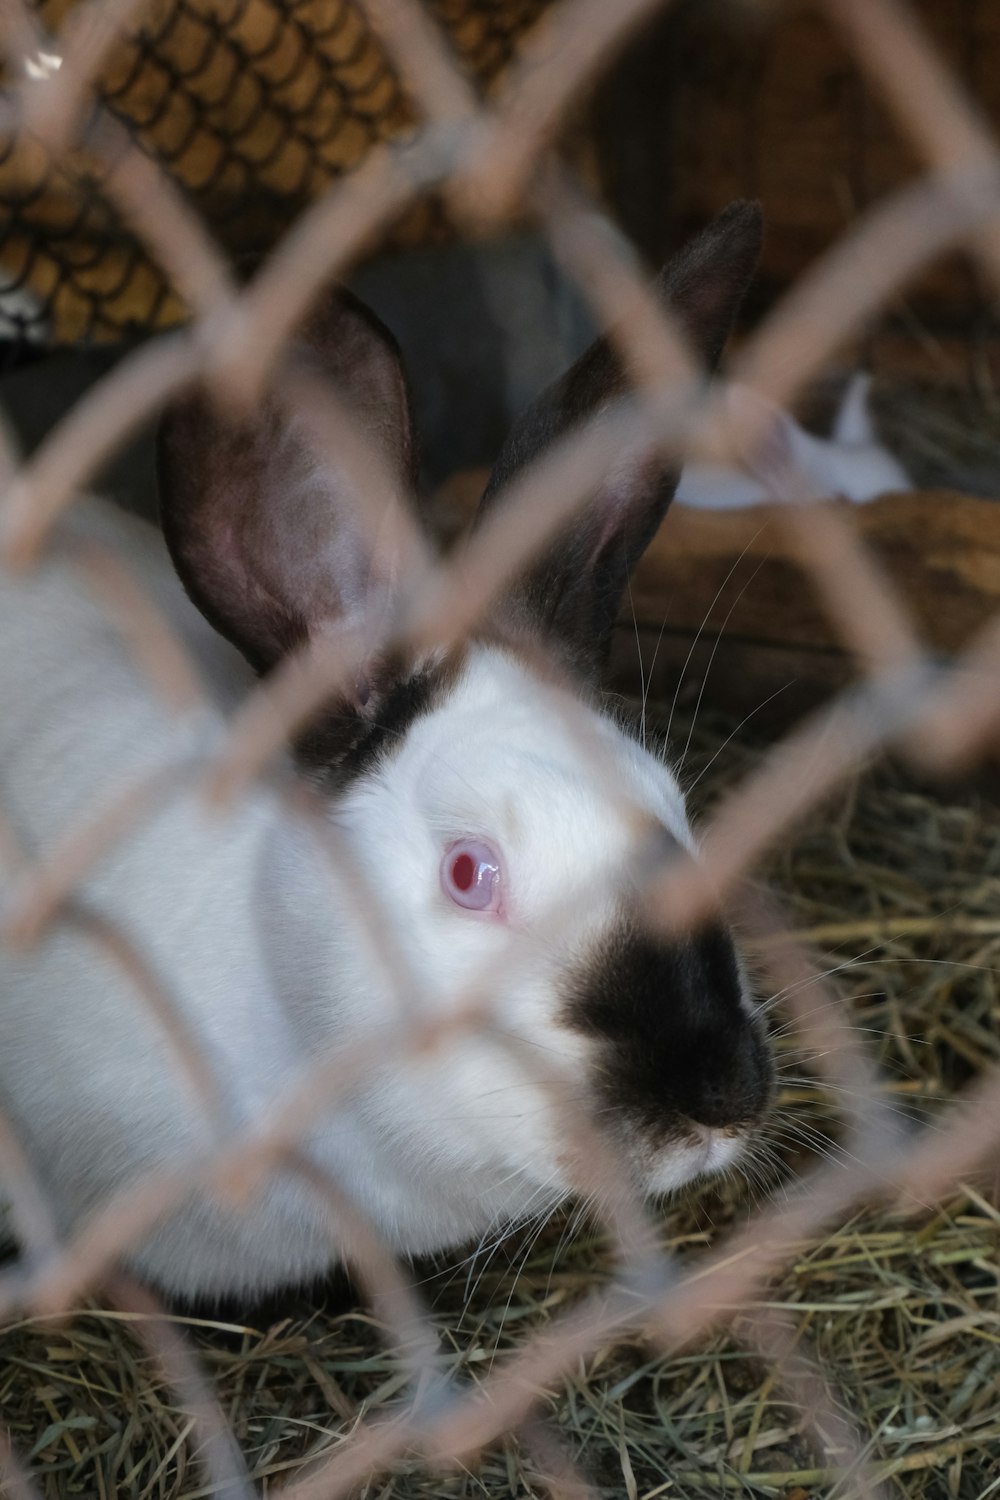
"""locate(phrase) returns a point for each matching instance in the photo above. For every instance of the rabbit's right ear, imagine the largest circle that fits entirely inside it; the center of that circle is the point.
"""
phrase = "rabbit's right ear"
(264, 534)
(572, 592)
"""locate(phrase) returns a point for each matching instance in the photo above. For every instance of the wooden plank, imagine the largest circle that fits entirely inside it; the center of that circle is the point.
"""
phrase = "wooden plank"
(729, 581)
(941, 549)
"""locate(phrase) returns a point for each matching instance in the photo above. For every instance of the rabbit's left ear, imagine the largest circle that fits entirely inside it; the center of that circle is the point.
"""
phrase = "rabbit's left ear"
(573, 592)
(267, 536)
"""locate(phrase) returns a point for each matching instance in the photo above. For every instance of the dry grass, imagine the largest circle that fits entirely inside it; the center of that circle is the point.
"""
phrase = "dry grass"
(943, 425)
(947, 434)
(898, 888)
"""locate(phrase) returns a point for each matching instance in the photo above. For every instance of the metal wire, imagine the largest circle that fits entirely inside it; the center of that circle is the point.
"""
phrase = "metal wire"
(491, 158)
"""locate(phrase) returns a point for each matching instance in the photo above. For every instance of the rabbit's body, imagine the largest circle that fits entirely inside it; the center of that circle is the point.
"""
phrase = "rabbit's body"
(253, 932)
(98, 1095)
(95, 1092)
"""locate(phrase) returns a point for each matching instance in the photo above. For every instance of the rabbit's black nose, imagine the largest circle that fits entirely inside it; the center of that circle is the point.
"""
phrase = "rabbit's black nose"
(735, 1086)
(680, 1042)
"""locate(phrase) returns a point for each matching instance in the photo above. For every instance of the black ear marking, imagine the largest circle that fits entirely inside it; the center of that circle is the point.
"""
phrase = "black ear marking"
(573, 592)
(706, 281)
(341, 748)
(260, 530)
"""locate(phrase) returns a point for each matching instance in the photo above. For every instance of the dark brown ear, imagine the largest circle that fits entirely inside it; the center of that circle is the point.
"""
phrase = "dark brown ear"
(264, 535)
(573, 593)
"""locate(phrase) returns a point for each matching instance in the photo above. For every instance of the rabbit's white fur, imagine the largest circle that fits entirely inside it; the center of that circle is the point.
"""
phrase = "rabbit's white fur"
(241, 919)
(255, 938)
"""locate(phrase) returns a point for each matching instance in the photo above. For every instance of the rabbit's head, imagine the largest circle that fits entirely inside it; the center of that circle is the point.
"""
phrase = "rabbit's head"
(498, 815)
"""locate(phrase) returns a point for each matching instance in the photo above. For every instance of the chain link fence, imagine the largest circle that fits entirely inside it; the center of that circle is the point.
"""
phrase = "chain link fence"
(422, 127)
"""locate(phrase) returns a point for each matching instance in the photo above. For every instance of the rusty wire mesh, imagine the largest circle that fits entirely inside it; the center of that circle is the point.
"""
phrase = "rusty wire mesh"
(491, 160)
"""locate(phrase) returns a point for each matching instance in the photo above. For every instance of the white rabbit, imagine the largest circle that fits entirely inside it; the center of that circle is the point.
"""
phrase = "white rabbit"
(469, 801)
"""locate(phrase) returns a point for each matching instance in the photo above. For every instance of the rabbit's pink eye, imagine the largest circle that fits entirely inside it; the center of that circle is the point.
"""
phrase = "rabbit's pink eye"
(470, 875)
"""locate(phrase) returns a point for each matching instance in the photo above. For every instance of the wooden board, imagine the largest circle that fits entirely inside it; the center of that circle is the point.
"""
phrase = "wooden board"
(729, 581)
(723, 100)
(720, 595)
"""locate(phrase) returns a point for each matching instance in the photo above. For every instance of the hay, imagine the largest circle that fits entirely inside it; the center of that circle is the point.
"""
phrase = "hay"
(899, 888)
(946, 435)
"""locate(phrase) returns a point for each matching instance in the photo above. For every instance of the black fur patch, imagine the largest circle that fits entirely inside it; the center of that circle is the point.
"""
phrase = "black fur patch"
(348, 742)
(679, 1045)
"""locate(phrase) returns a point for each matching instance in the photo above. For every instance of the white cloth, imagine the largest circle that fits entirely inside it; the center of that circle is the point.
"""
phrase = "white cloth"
(851, 463)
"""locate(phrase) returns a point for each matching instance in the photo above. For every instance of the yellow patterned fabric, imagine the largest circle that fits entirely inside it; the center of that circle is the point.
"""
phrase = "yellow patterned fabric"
(254, 106)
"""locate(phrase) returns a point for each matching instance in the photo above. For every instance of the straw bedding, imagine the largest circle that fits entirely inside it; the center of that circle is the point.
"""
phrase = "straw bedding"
(899, 888)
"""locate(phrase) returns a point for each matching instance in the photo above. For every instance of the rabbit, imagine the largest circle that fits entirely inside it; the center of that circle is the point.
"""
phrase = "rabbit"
(466, 796)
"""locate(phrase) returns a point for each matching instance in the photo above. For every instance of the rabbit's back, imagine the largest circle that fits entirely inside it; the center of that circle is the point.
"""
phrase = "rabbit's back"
(95, 1063)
